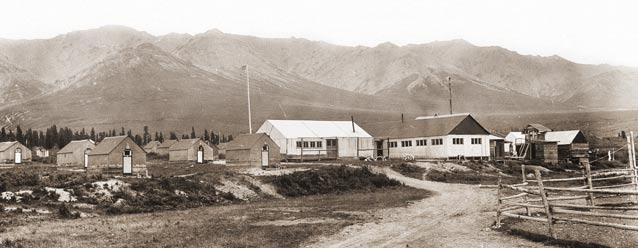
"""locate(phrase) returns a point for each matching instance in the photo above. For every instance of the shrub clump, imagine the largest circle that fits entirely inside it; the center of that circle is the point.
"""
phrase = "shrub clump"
(329, 180)
(65, 212)
(410, 170)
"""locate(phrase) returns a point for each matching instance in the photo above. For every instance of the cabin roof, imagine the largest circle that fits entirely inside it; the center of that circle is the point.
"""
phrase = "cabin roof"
(74, 145)
(428, 127)
(5, 145)
(562, 137)
(108, 144)
(245, 141)
(183, 144)
(291, 129)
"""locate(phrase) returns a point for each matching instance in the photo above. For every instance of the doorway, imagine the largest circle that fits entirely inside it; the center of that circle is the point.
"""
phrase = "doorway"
(200, 155)
(127, 163)
(265, 150)
(17, 159)
(332, 148)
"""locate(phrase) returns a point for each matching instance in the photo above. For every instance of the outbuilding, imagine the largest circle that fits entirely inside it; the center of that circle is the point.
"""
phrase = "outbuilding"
(163, 148)
(151, 147)
(14, 152)
(119, 153)
(312, 140)
(252, 150)
(195, 150)
(432, 137)
(572, 145)
(75, 153)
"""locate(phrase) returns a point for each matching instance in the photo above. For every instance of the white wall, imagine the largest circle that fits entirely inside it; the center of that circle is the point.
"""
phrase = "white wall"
(448, 149)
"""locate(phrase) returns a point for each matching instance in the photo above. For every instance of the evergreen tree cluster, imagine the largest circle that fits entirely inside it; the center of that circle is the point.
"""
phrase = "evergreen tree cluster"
(54, 137)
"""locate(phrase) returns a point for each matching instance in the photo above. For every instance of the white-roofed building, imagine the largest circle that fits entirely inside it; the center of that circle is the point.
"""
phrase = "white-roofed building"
(305, 139)
(512, 141)
(572, 145)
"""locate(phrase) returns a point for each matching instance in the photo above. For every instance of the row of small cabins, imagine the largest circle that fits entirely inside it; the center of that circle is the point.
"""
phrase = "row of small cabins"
(433, 137)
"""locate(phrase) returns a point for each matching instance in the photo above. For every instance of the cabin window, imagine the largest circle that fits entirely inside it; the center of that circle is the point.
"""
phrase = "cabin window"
(319, 144)
(437, 142)
(406, 143)
(305, 144)
(392, 144)
(312, 144)
(298, 144)
(476, 141)
(127, 153)
(457, 141)
(421, 142)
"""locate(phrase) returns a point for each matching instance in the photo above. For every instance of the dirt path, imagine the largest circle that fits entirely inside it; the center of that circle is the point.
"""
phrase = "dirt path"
(458, 216)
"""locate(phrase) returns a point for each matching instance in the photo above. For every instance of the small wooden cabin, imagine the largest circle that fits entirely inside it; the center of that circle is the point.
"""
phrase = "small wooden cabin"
(152, 146)
(75, 153)
(252, 150)
(163, 148)
(119, 153)
(14, 152)
(572, 145)
(195, 150)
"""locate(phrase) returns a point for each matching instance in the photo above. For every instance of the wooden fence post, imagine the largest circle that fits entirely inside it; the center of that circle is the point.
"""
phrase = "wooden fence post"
(589, 183)
(499, 202)
(548, 211)
(523, 173)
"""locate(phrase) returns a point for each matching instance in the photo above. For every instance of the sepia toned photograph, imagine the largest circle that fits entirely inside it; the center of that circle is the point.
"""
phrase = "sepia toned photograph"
(318, 124)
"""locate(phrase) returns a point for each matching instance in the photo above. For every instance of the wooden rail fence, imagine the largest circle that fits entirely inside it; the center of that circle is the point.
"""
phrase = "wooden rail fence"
(556, 203)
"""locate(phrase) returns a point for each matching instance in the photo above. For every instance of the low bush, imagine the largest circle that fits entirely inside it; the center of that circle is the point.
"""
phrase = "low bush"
(329, 180)
(65, 212)
(409, 170)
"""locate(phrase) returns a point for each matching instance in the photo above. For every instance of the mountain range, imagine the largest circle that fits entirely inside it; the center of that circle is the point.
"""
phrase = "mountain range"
(117, 76)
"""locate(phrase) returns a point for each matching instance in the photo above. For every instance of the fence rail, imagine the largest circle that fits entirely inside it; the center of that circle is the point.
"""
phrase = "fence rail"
(550, 200)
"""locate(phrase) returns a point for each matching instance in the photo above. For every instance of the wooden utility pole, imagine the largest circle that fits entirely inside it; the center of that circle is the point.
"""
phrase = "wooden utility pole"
(449, 81)
(250, 121)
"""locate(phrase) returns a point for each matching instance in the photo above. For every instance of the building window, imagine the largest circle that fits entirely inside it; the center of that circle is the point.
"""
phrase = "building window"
(437, 142)
(457, 141)
(312, 144)
(406, 143)
(476, 141)
(298, 144)
(305, 144)
(319, 144)
(392, 144)
(422, 142)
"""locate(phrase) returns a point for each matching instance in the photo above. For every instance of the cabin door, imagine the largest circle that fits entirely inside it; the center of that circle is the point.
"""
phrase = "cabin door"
(18, 156)
(332, 148)
(127, 163)
(264, 155)
(200, 155)
(379, 148)
(86, 158)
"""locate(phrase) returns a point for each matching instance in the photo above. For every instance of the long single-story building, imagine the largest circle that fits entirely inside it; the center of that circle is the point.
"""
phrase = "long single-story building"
(163, 148)
(151, 147)
(14, 152)
(252, 150)
(75, 153)
(311, 140)
(195, 150)
(119, 153)
(432, 137)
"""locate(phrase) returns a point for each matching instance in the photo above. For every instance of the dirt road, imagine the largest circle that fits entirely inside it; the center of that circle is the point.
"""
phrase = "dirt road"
(458, 216)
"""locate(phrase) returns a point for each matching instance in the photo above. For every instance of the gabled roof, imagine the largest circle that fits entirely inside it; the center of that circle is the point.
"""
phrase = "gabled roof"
(108, 144)
(167, 143)
(5, 145)
(151, 144)
(427, 127)
(76, 144)
(245, 141)
(539, 127)
(563, 137)
(183, 144)
(314, 129)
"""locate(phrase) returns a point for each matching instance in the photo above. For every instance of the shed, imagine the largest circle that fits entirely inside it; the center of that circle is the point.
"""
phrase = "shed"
(497, 147)
(252, 150)
(73, 154)
(14, 152)
(152, 146)
(163, 148)
(572, 145)
(432, 137)
(40, 152)
(536, 131)
(312, 140)
(119, 153)
(191, 150)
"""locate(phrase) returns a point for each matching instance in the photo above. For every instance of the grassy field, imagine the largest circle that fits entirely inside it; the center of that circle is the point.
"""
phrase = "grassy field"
(272, 223)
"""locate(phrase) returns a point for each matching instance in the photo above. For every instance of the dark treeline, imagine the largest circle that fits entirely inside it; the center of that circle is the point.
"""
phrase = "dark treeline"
(60, 137)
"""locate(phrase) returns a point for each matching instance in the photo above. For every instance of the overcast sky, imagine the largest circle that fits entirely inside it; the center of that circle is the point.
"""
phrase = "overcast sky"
(590, 32)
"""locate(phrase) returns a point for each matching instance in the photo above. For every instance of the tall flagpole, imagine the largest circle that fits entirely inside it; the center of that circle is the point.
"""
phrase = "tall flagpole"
(449, 81)
(250, 122)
